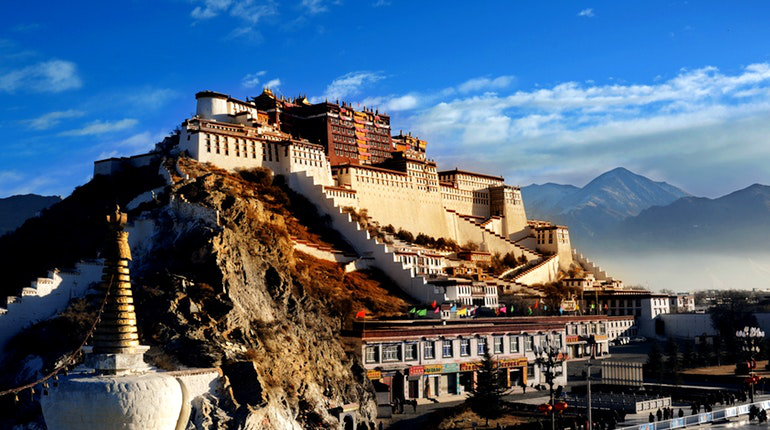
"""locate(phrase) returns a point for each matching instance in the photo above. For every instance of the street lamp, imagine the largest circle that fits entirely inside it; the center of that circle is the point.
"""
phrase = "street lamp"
(549, 358)
(750, 338)
(591, 341)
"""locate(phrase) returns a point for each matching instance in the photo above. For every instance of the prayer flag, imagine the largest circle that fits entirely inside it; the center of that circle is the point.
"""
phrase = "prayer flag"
(361, 314)
(413, 310)
(453, 308)
(434, 304)
(503, 310)
(436, 311)
(422, 312)
(529, 310)
(536, 304)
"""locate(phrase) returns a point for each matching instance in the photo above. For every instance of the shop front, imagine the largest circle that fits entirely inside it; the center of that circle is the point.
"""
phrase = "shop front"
(433, 380)
(515, 371)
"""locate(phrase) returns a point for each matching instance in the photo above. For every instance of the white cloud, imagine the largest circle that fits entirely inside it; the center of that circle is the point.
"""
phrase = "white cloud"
(273, 83)
(210, 9)
(52, 119)
(349, 85)
(51, 76)
(251, 80)
(9, 176)
(381, 3)
(393, 103)
(101, 127)
(689, 123)
(250, 11)
(149, 98)
(588, 13)
(478, 84)
(314, 6)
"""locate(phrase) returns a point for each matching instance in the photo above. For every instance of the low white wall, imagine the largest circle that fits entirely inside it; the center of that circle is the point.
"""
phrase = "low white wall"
(46, 297)
(334, 257)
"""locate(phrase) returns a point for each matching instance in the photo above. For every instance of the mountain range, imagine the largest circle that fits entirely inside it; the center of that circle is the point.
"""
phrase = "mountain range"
(15, 210)
(624, 210)
(605, 201)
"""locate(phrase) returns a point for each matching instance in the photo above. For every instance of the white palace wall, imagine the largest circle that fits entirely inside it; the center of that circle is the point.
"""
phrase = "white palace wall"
(395, 198)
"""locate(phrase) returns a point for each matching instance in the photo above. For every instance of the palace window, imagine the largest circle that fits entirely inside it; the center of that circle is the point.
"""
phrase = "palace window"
(481, 346)
(410, 351)
(498, 344)
(391, 352)
(465, 347)
(514, 344)
(372, 354)
(447, 351)
(430, 350)
(530, 343)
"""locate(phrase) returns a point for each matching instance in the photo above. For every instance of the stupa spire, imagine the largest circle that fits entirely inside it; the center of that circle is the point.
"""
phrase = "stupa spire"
(116, 331)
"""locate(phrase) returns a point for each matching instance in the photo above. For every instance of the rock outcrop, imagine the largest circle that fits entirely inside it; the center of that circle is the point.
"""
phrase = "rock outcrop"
(218, 284)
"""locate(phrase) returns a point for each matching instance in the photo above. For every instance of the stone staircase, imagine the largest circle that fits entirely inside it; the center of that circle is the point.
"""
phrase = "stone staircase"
(368, 248)
(497, 243)
(590, 267)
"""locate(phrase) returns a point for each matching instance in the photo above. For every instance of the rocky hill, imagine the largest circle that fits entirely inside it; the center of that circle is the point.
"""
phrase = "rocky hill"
(217, 283)
(15, 210)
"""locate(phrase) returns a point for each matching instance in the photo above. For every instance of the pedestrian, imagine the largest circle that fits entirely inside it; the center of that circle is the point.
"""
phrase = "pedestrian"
(659, 414)
(414, 405)
(681, 413)
(652, 418)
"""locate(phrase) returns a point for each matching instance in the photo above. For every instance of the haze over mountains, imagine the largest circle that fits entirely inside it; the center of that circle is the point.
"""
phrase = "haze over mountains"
(656, 235)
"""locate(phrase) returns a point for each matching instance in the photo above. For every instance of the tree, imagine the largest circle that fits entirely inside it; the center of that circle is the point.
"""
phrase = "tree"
(654, 365)
(673, 363)
(486, 398)
(690, 357)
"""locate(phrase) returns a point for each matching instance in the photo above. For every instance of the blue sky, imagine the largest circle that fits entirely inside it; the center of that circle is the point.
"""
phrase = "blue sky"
(674, 90)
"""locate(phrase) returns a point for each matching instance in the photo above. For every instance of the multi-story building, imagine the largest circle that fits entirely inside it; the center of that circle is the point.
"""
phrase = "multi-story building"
(681, 303)
(424, 359)
(348, 135)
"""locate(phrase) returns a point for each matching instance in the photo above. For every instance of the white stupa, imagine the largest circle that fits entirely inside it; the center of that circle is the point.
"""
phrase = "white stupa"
(115, 388)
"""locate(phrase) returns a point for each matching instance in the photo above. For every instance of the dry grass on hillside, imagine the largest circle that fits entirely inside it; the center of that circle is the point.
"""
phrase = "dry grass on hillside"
(352, 292)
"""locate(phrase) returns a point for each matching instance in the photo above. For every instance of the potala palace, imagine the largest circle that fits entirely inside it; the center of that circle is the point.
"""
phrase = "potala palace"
(344, 159)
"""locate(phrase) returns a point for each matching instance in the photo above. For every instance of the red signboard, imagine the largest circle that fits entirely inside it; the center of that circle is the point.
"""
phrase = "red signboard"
(416, 370)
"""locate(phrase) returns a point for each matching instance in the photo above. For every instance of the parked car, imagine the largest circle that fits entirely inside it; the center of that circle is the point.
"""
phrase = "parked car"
(638, 339)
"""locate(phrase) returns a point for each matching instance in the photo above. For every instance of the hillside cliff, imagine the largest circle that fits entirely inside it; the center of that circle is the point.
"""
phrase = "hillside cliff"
(218, 284)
